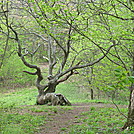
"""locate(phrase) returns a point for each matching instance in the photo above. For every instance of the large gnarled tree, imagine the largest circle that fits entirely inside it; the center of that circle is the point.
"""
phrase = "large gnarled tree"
(77, 28)
(69, 30)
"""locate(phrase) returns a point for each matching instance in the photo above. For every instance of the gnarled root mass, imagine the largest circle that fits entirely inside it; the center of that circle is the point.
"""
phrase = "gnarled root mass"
(53, 99)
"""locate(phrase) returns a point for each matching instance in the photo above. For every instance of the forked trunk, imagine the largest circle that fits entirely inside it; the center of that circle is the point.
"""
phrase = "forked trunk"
(42, 92)
(50, 98)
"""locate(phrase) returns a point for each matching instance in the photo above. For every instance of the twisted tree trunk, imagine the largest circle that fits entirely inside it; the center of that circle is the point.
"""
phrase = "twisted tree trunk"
(62, 73)
(49, 88)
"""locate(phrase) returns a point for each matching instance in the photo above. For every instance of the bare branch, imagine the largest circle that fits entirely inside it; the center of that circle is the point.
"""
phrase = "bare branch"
(34, 52)
(132, 18)
(67, 76)
(7, 35)
(67, 49)
(38, 72)
(74, 58)
(30, 72)
(38, 35)
(125, 5)
(58, 43)
(118, 107)
(43, 13)
(86, 65)
(51, 55)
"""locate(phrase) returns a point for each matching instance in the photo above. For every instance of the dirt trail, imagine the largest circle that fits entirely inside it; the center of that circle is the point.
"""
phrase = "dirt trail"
(60, 121)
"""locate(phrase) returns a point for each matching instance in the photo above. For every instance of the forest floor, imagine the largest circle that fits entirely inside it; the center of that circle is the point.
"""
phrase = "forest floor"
(60, 120)
(90, 117)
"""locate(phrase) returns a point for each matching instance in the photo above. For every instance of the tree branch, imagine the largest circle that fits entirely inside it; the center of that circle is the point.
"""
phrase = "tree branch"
(30, 72)
(38, 72)
(67, 49)
(125, 5)
(118, 16)
(86, 65)
(67, 76)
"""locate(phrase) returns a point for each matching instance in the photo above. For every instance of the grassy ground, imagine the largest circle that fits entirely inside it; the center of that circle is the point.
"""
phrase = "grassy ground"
(101, 121)
(17, 114)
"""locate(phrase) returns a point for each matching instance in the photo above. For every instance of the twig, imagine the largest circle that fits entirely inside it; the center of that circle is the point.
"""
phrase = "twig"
(118, 107)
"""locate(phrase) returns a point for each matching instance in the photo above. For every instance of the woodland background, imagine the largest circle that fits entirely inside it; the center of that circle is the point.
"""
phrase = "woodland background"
(93, 38)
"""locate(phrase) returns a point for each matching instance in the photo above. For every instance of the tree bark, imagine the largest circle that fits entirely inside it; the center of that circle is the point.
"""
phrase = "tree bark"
(50, 87)
(130, 117)
(92, 94)
(55, 42)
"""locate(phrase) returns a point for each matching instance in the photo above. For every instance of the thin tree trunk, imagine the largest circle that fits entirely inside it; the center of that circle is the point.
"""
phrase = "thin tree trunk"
(92, 94)
(98, 93)
(130, 117)
(8, 33)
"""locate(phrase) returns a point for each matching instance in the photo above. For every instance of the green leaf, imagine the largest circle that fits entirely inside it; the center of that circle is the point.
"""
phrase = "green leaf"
(131, 78)
(117, 70)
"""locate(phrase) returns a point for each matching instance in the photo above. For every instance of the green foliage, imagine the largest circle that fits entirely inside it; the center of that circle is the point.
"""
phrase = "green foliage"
(73, 93)
(123, 81)
(96, 26)
(13, 75)
(131, 78)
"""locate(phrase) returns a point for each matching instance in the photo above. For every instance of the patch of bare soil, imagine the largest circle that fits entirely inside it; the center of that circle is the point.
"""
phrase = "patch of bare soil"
(61, 119)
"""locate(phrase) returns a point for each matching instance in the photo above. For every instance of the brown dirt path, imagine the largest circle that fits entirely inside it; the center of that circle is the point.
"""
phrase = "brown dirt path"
(60, 121)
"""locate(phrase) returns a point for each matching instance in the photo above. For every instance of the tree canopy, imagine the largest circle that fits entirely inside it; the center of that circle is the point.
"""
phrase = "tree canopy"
(69, 35)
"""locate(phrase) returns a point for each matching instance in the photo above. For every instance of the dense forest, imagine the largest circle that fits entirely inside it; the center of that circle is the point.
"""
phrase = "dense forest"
(63, 52)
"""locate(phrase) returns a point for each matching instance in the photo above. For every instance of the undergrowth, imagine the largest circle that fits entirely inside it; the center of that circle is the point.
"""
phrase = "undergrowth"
(101, 121)
(19, 114)
(22, 123)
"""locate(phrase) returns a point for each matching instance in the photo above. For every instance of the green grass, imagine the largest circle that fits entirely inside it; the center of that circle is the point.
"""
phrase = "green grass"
(71, 92)
(16, 108)
(18, 98)
(18, 114)
(76, 95)
(101, 121)
(27, 120)
(28, 96)
(22, 123)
